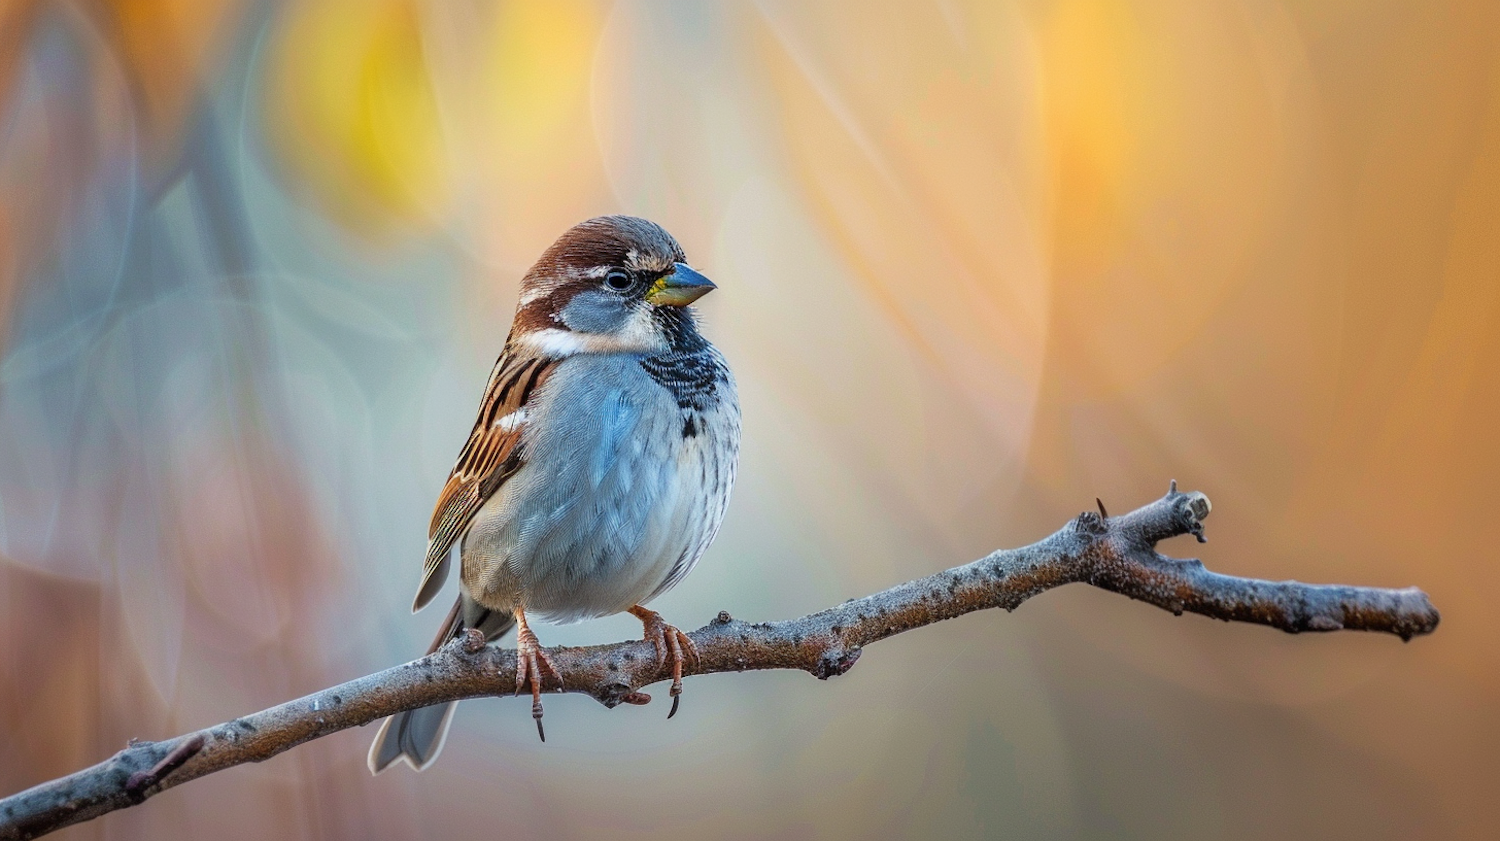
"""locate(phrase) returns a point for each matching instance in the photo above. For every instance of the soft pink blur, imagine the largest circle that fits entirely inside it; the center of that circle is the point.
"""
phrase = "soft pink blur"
(979, 262)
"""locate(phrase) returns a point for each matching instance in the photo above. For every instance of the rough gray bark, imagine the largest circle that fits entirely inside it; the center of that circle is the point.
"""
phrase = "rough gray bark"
(1114, 553)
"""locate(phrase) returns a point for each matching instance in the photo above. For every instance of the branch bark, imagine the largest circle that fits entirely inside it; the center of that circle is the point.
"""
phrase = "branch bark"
(1114, 553)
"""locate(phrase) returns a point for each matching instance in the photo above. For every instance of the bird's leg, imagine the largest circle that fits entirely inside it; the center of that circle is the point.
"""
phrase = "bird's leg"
(531, 660)
(670, 644)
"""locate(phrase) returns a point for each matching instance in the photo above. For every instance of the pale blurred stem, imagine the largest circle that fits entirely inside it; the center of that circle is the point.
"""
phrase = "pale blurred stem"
(1115, 553)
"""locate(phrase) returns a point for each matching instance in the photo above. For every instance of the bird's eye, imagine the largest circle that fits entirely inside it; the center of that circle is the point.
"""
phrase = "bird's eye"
(618, 280)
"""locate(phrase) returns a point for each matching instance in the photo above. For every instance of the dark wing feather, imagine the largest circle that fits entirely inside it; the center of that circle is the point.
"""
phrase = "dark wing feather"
(489, 457)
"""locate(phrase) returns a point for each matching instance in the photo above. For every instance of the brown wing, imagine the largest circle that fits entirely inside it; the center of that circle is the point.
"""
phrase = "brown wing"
(489, 458)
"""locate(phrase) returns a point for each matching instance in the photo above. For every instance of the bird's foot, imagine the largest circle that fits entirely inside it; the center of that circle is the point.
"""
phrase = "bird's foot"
(531, 662)
(671, 645)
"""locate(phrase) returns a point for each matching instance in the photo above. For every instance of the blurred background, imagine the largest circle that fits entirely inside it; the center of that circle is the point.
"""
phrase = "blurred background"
(980, 262)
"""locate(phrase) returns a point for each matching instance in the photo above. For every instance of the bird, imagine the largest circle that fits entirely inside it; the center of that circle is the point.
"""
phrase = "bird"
(598, 469)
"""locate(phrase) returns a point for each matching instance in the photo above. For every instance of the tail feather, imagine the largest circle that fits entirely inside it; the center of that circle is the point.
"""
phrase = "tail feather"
(417, 736)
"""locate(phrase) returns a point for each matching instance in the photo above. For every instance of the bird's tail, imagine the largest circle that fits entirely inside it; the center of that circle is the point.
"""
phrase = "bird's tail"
(417, 736)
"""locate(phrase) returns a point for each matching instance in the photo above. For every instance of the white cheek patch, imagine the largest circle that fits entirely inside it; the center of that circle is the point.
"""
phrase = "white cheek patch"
(555, 342)
(510, 422)
(639, 335)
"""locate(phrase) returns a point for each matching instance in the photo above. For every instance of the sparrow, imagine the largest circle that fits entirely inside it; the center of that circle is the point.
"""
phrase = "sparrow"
(599, 467)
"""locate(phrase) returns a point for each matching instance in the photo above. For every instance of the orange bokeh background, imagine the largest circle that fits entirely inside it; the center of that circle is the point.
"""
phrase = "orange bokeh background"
(980, 263)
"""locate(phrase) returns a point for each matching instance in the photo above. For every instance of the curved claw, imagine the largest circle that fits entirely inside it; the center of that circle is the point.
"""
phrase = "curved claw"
(672, 646)
(531, 661)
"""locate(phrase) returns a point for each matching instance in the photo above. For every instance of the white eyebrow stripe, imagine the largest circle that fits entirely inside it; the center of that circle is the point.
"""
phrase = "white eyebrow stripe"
(510, 421)
(648, 262)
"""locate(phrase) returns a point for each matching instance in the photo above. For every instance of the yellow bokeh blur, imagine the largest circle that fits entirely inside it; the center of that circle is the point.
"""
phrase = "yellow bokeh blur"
(357, 112)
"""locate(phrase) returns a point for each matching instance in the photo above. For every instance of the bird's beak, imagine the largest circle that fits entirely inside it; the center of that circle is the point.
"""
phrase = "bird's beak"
(679, 288)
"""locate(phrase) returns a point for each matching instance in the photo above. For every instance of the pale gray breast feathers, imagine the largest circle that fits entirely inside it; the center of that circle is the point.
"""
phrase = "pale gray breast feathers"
(624, 485)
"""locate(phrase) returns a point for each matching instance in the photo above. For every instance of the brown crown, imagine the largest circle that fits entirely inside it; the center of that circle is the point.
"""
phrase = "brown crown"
(572, 262)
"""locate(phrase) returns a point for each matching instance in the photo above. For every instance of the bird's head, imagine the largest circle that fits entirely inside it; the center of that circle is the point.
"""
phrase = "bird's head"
(613, 284)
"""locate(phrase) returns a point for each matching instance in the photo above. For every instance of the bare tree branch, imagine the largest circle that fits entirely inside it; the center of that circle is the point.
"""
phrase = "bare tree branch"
(1115, 553)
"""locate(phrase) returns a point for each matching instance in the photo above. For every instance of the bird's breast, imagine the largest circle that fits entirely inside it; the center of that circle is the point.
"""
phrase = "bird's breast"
(628, 468)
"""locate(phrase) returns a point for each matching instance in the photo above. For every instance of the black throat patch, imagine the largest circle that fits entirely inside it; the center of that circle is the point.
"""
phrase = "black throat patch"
(691, 371)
